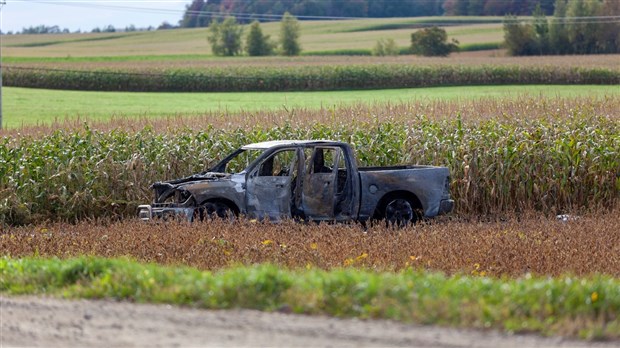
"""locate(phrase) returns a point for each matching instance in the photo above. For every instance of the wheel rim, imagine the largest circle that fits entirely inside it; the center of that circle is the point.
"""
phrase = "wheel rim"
(399, 213)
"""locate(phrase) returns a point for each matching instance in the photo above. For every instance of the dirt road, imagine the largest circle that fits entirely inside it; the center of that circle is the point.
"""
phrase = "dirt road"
(47, 322)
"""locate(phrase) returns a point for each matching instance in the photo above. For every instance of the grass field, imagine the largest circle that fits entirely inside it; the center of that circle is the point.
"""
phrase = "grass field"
(26, 107)
(315, 36)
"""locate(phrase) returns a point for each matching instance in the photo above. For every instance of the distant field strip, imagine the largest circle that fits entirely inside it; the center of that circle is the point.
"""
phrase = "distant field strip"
(303, 78)
(60, 42)
(315, 36)
(146, 63)
(23, 106)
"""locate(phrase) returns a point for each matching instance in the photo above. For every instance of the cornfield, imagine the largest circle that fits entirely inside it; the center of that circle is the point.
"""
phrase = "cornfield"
(567, 161)
(303, 78)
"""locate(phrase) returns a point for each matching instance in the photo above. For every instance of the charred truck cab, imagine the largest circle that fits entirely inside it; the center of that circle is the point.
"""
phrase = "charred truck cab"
(315, 180)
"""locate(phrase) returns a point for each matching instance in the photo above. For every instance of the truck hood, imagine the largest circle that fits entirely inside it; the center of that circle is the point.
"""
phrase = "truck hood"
(165, 188)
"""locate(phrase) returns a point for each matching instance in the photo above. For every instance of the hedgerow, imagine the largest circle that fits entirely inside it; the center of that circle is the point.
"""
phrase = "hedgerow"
(303, 78)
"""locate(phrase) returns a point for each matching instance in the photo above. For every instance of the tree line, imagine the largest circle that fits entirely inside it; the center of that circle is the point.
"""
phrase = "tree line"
(577, 27)
(54, 29)
(200, 13)
(226, 39)
(496, 7)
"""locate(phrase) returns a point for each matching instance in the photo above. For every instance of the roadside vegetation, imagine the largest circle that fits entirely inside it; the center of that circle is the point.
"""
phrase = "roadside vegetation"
(582, 307)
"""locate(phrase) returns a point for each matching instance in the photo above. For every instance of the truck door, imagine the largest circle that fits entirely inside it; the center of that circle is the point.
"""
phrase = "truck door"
(320, 183)
(270, 184)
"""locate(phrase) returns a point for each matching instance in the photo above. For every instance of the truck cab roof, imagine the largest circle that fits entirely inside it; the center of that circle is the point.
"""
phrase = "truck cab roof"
(269, 144)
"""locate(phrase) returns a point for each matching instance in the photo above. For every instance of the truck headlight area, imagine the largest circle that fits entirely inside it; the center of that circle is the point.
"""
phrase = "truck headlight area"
(145, 212)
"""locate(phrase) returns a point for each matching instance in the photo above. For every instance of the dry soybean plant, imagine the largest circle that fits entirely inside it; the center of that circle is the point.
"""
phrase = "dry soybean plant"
(517, 246)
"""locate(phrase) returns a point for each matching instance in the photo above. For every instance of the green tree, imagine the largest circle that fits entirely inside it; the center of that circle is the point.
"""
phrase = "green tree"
(558, 37)
(456, 7)
(432, 42)
(225, 37)
(475, 7)
(582, 33)
(573, 30)
(519, 38)
(289, 35)
(258, 44)
(541, 31)
(609, 33)
(386, 47)
(191, 17)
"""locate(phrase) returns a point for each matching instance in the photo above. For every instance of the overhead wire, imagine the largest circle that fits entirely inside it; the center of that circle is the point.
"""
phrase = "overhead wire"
(275, 17)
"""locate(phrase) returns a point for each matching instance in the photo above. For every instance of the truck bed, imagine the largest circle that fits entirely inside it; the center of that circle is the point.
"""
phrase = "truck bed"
(382, 168)
(427, 183)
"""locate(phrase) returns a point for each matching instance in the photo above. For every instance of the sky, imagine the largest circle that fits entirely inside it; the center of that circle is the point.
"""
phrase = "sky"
(88, 14)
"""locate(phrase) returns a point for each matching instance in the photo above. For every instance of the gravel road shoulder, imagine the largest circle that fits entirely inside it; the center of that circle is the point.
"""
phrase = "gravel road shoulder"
(51, 322)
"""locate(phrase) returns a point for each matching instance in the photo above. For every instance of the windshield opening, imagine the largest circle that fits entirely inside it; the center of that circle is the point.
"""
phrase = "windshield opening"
(239, 161)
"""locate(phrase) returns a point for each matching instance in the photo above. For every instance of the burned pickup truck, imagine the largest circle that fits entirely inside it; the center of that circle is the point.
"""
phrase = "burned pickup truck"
(310, 180)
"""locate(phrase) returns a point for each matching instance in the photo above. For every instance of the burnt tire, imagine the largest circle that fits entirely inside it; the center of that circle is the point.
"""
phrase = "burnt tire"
(214, 210)
(400, 212)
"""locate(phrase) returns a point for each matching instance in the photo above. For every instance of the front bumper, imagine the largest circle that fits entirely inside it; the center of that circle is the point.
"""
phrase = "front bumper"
(148, 212)
(446, 206)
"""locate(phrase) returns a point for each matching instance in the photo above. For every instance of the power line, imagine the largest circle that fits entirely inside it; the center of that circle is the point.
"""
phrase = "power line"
(219, 14)
(264, 16)
(90, 4)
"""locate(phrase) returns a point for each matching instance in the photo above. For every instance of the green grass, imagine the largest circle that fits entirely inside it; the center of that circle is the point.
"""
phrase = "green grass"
(24, 106)
(582, 307)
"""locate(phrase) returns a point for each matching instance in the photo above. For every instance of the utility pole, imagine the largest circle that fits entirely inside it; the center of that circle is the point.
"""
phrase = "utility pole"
(2, 3)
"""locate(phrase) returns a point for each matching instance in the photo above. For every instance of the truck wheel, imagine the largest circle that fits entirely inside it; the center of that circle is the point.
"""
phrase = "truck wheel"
(214, 210)
(399, 213)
